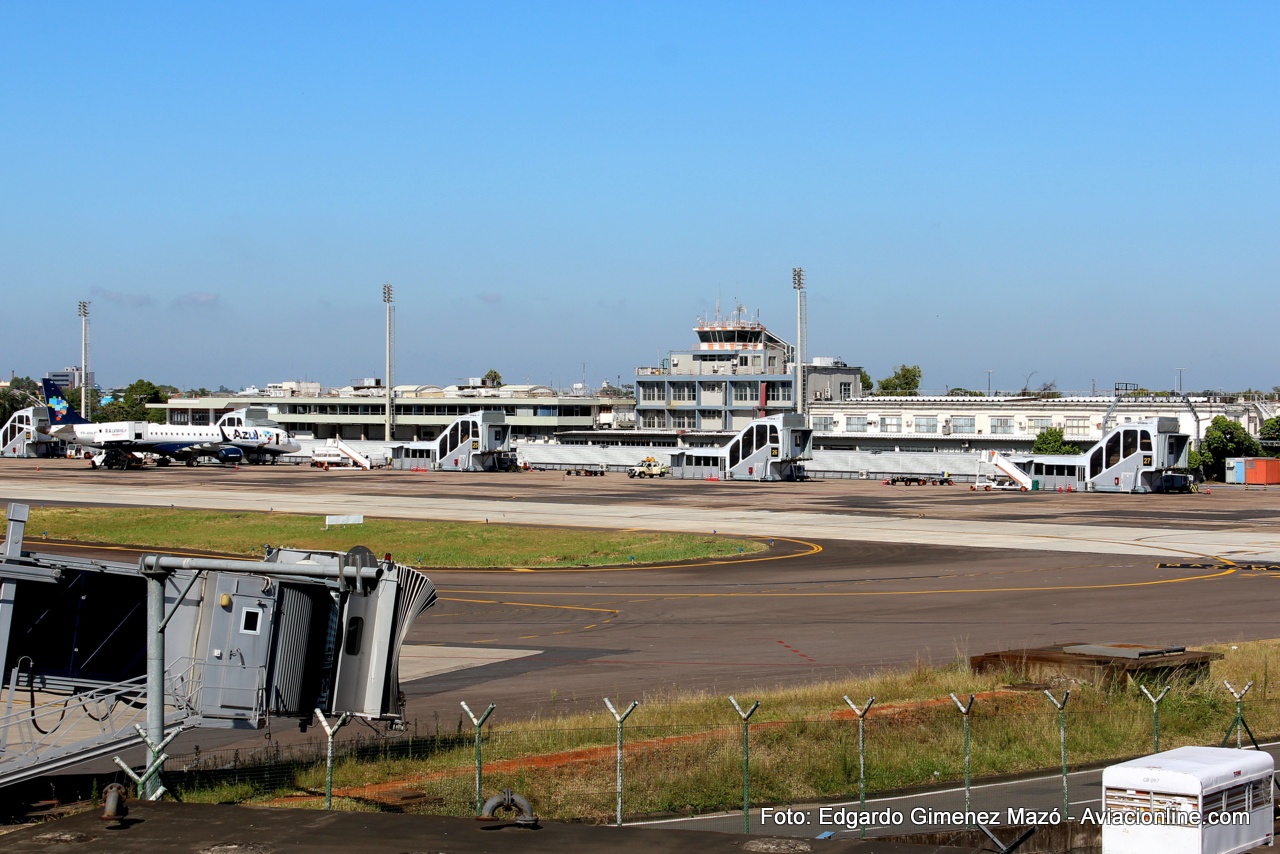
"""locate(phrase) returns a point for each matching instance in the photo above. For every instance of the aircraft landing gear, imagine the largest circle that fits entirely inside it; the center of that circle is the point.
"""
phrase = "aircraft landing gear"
(116, 459)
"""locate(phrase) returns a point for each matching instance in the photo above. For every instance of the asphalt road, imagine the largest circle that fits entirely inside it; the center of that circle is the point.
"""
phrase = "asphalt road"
(807, 612)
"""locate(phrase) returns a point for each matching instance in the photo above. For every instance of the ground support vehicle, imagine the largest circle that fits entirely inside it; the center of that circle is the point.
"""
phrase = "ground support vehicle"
(919, 480)
(649, 467)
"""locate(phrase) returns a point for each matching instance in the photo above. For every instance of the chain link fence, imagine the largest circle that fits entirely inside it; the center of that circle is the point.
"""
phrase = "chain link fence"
(672, 768)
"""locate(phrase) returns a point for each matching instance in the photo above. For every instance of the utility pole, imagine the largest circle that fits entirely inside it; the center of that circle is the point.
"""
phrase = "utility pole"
(1179, 370)
(388, 297)
(84, 359)
(797, 282)
(988, 382)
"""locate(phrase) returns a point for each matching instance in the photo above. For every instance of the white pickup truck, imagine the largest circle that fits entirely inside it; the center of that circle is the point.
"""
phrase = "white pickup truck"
(649, 467)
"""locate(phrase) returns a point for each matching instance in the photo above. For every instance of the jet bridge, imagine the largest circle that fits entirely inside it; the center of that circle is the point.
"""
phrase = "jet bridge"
(771, 448)
(477, 441)
(1134, 456)
(26, 434)
(239, 641)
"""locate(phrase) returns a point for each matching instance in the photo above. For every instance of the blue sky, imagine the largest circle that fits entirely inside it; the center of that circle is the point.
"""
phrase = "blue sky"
(1089, 191)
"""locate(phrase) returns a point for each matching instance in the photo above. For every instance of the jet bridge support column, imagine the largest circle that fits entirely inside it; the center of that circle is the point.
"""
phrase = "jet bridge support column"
(155, 668)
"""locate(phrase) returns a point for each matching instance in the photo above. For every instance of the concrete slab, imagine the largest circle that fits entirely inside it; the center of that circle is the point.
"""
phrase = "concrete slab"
(418, 661)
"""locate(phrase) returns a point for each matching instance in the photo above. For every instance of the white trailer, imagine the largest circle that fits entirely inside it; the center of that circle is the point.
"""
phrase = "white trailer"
(1192, 800)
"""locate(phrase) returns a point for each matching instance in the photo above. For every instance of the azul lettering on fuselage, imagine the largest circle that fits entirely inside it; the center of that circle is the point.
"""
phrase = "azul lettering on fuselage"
(238, 434)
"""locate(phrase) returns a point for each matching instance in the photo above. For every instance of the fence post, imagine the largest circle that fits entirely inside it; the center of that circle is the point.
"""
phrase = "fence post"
(329, 732)
(1155, 714)
(862, 759)
(1062, 739)
(149, 784)
(479, 722)
(746, 756)
(620, 718)
(964, 710)
(1238, 723)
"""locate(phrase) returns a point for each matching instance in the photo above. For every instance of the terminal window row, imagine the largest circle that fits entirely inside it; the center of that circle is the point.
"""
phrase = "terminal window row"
(961, 424)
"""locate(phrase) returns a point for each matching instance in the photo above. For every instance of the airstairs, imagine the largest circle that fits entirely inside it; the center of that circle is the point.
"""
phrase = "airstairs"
(361, 460)
(996, 463)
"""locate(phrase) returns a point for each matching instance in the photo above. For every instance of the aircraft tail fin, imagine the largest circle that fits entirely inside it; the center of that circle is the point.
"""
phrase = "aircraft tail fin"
(60, 409)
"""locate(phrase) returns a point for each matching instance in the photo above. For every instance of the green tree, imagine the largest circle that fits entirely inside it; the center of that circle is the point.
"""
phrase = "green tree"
(905, 380)
(493, 379)
(868, 384)
(10, 402)
(964, 392)
(22, 392)
(1225, 438)
(131, 404)
(26, 384)
(1050, 442)
(1270, 431)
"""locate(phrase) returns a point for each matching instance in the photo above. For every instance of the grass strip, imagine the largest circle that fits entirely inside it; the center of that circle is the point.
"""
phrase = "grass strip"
(419, 543)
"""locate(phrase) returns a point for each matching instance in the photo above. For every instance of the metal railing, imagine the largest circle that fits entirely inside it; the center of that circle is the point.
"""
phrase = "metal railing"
(42, 731)
(40, 735)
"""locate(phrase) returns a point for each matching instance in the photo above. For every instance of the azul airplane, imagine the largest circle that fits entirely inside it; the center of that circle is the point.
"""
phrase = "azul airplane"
(235, 437)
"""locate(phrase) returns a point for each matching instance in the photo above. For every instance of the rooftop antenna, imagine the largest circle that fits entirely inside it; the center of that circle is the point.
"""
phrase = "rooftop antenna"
(802, 333)
(388, 297)
(83, 311)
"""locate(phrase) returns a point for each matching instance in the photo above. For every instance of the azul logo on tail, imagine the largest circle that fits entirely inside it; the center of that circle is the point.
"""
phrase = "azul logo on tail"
(60, 409)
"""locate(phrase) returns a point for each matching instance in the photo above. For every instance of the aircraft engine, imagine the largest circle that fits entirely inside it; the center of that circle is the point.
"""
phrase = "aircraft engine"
(230, 455)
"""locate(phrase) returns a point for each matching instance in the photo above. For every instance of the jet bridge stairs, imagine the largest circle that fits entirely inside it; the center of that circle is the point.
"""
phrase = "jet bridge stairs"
(45, 731)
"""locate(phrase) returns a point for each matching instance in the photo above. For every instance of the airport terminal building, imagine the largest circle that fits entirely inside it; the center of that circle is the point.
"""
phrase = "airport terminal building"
(736, 372)
(358, 413)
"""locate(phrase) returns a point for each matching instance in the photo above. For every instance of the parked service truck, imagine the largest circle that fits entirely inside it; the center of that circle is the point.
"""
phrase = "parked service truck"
(649, 467)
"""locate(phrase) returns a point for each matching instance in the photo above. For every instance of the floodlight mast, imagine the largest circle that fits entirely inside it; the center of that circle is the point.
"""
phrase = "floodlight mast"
(797, 282)
(388, 297)
(83, 311)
